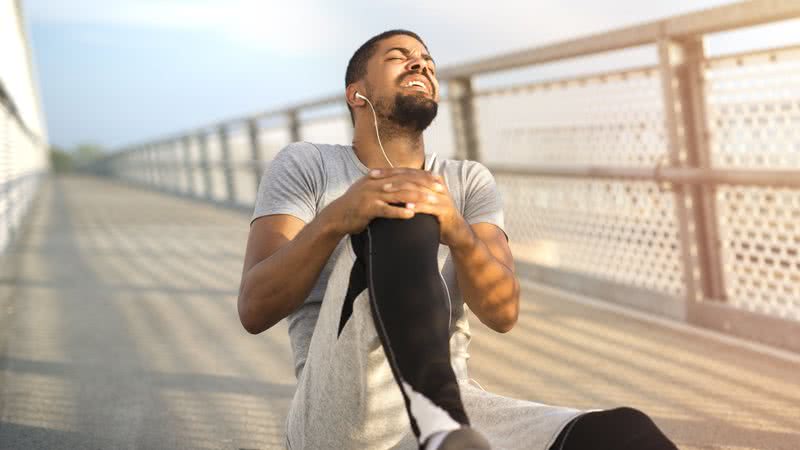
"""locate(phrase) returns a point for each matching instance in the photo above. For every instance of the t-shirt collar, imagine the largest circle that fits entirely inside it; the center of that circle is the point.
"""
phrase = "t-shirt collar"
(430, 158)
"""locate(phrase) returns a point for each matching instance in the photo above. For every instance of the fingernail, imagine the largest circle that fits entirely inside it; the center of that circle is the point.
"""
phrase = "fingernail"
(431, 198)
(387, 186)
(375, 172)
(410, 205)
(438, 187)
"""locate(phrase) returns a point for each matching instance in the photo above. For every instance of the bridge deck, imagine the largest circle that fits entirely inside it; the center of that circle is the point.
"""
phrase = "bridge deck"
(118, 328)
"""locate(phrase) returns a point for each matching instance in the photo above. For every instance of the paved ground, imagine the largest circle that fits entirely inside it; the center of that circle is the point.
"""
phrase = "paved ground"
(118, 329)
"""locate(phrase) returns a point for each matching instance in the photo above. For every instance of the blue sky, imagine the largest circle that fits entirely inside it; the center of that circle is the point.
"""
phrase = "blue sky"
(124, 71)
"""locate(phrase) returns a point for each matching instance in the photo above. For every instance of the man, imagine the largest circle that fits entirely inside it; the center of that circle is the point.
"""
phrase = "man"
(370, 251)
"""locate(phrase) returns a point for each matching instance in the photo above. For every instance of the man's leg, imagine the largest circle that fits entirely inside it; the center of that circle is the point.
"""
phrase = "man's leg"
(397, 264)
(614, 429)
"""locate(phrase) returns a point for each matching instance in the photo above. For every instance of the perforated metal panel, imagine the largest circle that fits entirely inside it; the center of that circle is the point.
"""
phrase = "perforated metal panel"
(753, 108)
(613, 120)
(760, 231)
(330, 130)
(272, 141)
(753, 104)
(241, 165)
(438, 136)
(614, 230)
(618, 231)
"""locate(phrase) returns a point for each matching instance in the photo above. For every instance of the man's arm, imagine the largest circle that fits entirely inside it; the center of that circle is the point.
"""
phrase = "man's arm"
(284, 258)
(485, 272)
(282, 261)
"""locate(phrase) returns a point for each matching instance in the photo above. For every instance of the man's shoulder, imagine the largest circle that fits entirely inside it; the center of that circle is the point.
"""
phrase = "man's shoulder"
(462, 170)
(307, 151)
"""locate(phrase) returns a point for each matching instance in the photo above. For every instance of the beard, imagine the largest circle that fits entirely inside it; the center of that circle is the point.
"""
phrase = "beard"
(413, 112)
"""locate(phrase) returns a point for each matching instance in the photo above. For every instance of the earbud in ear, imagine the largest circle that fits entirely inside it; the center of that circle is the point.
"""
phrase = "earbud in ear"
(360, 96)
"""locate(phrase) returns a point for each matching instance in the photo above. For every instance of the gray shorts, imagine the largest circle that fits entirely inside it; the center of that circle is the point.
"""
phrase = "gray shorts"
(347, 398)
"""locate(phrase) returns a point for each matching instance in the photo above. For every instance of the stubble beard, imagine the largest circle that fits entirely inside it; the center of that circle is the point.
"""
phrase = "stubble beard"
(413, 112)
(407, 113)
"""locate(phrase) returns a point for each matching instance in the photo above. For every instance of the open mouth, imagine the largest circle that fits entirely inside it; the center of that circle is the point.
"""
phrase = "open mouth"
(416, 85)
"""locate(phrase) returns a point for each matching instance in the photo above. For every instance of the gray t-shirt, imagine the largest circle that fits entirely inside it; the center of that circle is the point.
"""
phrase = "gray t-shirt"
(304, 178)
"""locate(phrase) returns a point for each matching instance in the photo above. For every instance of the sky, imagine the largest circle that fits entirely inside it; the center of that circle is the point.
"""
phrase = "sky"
(119, 72)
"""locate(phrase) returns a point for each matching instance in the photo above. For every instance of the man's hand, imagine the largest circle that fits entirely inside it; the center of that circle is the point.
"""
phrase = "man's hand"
(484, 265)
(363, 201)
(427, 193)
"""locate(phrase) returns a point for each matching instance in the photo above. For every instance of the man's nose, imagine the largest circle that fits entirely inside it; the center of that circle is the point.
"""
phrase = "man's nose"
(418, 64)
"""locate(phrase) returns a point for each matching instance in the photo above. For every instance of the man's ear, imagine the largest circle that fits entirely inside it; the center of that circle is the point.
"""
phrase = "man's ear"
(350, 94)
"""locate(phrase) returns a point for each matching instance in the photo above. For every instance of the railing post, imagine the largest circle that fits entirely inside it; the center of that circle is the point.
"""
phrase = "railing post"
(684, 107)
(202, 145)
(161, 169)
(699, 156)
(158, 154)
(255, 150)
(151, 166)
(158, 167)
(174, 168)
(227, 167)
(141, 173)
(186, 142)
(141, 163)
(294, 125)
(464, 126)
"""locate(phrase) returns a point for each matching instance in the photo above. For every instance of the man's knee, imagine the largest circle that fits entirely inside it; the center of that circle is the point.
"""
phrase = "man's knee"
(631, 417)
(625, 427)
(419, 233)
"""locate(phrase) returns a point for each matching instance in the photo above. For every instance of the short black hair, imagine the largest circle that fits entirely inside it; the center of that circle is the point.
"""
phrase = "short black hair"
(357, 66)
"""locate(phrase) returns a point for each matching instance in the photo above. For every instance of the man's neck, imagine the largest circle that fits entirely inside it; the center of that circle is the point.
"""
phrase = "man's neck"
(404, 148)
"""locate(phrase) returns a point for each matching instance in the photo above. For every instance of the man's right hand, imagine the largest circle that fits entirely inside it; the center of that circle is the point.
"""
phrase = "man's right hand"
(368, 198)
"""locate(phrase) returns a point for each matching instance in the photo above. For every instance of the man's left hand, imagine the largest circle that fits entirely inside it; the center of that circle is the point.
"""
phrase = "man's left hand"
(425, 192)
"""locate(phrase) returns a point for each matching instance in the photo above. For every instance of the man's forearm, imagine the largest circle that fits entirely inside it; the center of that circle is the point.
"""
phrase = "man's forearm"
(279, 284)
(489, 287)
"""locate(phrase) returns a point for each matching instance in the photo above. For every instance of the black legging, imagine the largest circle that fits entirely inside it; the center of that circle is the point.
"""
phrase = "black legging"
(612, 429)
(396, 260)
(411, 318)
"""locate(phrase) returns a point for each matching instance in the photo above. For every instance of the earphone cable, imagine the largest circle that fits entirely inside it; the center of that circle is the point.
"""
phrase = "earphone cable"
(377, 133)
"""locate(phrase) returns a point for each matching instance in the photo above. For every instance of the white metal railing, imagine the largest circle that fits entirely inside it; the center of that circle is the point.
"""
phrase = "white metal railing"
(671, 187)
(24, 160)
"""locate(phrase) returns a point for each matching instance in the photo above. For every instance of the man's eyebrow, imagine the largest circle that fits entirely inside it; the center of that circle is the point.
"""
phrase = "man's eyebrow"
(406, 52)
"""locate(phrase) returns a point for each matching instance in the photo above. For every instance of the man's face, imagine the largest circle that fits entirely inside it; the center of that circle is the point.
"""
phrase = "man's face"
(401, 82)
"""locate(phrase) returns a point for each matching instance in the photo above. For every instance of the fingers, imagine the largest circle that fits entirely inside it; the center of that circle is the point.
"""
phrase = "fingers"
(400, 183)
(410, 196)
(418, 190)
(398, 176)
(426, 208)
(384, 209)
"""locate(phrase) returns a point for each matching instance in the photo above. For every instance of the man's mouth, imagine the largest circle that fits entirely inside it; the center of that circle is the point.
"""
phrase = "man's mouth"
(417, 85)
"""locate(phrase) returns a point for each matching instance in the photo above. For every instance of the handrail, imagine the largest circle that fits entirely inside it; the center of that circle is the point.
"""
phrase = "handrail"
(679, 175)
(711, 20)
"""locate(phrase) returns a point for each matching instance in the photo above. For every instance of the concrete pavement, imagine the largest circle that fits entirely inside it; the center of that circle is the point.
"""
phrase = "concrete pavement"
(119, 330)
